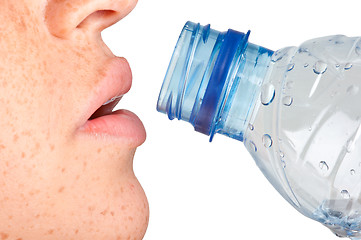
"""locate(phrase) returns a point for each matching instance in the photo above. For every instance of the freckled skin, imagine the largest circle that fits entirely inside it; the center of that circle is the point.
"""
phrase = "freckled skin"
(53, 184)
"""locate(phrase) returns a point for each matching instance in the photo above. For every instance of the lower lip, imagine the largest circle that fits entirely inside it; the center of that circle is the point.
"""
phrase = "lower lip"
(121, 124)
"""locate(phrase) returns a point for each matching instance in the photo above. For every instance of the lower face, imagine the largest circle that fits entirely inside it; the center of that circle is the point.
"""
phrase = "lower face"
(64, 176)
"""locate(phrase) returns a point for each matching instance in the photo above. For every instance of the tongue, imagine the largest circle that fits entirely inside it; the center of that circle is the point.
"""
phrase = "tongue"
(105, 109)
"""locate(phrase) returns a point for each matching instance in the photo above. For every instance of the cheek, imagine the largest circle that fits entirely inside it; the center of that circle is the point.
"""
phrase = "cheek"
(70, 203)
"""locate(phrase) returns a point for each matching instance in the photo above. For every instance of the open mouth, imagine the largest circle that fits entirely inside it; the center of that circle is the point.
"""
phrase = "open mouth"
(107, 108)
(101, 118)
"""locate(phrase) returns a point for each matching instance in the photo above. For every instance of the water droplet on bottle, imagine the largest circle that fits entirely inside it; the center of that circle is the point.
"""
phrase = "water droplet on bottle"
(345, 194)
(267, 94)
(282, 155)
(252, 146)
(350, 146)
(290, 67)
(287, 101)
(352, 172)
(251, 127)
(348, 66)
(310, 128)
(305, 65)
(323, 166)
(352, 90)
(358, 47)
(289, 84)
(284, 165)
(267, 140)
(320, 67)
(278, 55)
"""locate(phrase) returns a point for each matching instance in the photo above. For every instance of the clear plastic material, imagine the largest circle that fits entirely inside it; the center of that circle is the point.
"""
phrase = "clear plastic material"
(297, 111)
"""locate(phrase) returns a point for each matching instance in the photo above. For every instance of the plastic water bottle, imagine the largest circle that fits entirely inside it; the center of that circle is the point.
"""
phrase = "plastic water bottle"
(297, 110)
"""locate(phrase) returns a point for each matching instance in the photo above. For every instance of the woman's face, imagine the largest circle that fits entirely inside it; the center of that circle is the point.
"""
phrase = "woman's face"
(63, 176)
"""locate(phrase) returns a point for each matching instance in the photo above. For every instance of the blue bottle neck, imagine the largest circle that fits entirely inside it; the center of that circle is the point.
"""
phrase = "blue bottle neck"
(213, 80)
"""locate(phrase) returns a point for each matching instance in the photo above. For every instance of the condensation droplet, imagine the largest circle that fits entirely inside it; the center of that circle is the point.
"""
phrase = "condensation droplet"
(345, 194)
(348, 66)
(310, 128)
(337, 65)
(352, 90)
(352, 172)
(278, 55)
(290, 67)
(252, 146)
(267, 94)
(251, 127)
(282, 155)
(289, 84)
(287, 101)
(267, 140)
(323, 166)
(358, 47)
(320, 67)
(350, 146)
(305, 65)
(283, 163)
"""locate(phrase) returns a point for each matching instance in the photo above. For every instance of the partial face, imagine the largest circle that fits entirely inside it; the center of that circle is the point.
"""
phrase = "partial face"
(66, 165)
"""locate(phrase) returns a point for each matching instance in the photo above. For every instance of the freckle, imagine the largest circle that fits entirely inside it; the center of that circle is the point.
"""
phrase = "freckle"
(16, 137)
(61, 189)
(37, 215)
(37, 146)
(112, 213)
(51, 231)
(76, 231)
(91, 208)
(52, 147)
(130, 218)
(85, 164)
(124, 207)
(99, 150)
(63, 170)
(4, 236)
(77, 177)
(19, 239)
(104, 212)
(10, 217)
(121, 190)
(22, 155)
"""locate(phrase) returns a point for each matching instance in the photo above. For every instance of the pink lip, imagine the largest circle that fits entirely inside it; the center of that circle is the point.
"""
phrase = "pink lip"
(121, 124)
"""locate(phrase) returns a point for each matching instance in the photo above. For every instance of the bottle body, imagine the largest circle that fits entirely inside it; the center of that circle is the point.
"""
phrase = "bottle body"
(297, 112)
(306, 141)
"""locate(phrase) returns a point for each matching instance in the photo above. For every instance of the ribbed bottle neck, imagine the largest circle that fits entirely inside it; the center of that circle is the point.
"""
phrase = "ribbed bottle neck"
(213, 80)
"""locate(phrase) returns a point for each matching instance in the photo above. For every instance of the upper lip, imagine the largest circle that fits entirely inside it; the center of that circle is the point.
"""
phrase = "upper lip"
(116, 82)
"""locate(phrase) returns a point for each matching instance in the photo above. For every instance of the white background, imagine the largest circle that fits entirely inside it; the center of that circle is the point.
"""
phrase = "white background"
(210, 191)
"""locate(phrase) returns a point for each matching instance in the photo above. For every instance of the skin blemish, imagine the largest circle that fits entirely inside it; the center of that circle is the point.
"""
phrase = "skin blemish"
(16, 137)
(51, 231)
(61, 189)
(4, 236)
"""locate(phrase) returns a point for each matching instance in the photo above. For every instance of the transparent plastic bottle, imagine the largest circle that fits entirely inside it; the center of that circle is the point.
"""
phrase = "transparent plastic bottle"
(297, 110)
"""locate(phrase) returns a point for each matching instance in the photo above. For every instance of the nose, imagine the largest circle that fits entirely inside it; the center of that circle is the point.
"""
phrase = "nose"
(66, 16)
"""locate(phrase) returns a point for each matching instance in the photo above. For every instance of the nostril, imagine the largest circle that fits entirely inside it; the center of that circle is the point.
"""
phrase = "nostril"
(100, 18)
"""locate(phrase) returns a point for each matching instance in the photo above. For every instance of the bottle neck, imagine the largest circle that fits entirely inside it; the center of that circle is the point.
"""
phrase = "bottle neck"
(242, 92)
(213, 80)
